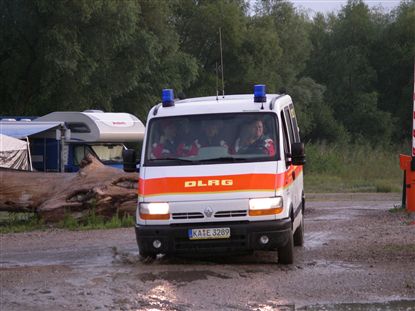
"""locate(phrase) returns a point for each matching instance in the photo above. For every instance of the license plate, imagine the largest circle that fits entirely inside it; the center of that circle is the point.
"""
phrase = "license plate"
(209, 233)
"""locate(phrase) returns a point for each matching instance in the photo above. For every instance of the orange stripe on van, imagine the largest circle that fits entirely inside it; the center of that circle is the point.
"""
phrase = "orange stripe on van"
(216, 184)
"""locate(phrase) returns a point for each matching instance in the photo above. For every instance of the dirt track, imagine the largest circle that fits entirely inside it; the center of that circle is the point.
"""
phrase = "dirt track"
(357, 256)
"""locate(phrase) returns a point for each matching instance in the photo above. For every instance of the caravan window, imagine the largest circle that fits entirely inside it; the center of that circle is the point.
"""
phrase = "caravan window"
(109, 153)
(79, 154)
(78, 127)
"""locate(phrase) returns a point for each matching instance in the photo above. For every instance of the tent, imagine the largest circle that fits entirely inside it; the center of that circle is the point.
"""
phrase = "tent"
(23, 129)
(14, 153)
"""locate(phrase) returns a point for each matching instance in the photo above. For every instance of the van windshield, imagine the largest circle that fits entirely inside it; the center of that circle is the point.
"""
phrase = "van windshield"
(212, 138)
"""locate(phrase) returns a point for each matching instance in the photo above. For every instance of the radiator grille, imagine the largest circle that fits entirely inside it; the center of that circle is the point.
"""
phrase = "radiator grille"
(220, 214)
(223, 214)
(193, 215)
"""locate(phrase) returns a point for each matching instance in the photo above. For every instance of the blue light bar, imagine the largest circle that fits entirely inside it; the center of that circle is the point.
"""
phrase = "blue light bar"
(167, 98)
(260, 93)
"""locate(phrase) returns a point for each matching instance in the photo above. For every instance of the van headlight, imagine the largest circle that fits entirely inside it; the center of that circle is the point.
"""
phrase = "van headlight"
(265, 206)
(154, 211)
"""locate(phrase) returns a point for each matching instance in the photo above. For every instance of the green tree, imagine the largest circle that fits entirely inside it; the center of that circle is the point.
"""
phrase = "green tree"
(291, 28)
(162, 63)
(344, 65)
(66, 54)
(393, 58)
(74, 55)
(295, 39)
(198, 24)
(314, 115)
(258, 57)
(349, 74)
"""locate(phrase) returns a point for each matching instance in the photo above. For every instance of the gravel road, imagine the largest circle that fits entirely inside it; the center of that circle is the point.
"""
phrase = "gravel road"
(357, 256)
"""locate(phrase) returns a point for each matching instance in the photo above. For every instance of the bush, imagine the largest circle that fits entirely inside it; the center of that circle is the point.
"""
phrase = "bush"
(352, 167)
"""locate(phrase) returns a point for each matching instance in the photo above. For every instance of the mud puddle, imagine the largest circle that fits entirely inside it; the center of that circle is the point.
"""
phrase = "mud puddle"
(357, 256)
(398, 305)
(88, 258)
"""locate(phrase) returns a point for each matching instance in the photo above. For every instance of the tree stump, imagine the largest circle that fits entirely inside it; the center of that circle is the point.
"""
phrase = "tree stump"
(97, 187)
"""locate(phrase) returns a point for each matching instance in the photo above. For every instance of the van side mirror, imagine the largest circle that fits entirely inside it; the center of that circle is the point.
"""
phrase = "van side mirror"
(297, 154)
(129, 160)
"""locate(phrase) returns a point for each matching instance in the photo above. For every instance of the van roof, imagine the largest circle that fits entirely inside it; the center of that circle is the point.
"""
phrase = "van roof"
(220, 104)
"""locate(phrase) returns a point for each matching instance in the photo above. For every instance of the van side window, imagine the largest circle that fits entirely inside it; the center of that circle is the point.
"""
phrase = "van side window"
(289, 125)
(286, 143)
(294, 124)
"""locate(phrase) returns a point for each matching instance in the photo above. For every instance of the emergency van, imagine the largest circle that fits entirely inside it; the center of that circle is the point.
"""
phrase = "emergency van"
(221, 174)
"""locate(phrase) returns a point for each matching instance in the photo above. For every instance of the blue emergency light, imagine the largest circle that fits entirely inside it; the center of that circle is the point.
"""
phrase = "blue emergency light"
(167, 98)
(260, 93)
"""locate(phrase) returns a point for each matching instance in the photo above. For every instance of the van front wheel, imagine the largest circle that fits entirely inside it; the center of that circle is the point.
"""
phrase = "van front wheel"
(146, 257)
(286, 253)
(299, 234)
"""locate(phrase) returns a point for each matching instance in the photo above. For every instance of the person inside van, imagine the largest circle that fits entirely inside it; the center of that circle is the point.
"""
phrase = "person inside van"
(210, 135)
(186, 139)
(174, 141)
(167, 145)
(252, 140)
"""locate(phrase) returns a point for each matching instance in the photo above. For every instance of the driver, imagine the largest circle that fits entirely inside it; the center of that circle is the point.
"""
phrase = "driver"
(210, 137)
(253, 140)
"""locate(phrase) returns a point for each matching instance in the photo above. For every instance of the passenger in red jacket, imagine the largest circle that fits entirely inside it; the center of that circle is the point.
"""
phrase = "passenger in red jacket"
(172, 142)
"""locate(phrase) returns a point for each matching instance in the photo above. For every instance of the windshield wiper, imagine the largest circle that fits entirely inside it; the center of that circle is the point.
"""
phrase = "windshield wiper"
(225, 159)
(188, 161)
(181, 160)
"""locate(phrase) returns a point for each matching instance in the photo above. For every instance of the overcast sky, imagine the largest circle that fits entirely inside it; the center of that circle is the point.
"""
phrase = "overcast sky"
(326, 6)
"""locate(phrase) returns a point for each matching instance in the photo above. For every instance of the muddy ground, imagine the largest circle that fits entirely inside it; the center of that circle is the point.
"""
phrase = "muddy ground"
(357, 256)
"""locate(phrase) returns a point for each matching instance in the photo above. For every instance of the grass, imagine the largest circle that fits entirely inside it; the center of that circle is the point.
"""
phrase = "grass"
(397, 248)
(406, 216)
(23, 222)
(398, 209)
(352, 168)
(94, 221)
(19, 222)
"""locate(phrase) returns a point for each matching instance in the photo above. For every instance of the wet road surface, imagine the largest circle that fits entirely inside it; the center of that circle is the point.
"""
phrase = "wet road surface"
(357, 256)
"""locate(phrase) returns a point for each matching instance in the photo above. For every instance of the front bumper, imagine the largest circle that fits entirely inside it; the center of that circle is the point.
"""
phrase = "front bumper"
(244, 237)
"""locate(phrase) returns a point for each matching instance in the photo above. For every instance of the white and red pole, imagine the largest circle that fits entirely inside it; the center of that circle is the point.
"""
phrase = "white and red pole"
(413, 123)
(407, 164)
(409, 172)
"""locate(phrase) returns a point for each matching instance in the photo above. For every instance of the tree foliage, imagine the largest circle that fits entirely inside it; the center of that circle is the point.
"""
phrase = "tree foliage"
(350, 58)
(74, 55)
(349, 73)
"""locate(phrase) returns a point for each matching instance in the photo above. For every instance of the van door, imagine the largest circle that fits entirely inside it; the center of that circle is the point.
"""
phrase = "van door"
(291, 133)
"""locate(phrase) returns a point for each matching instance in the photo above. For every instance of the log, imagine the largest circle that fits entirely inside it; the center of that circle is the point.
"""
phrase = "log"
(97, 187)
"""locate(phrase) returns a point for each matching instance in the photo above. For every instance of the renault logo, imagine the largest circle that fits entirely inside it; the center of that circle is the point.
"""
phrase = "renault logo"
(208, 211)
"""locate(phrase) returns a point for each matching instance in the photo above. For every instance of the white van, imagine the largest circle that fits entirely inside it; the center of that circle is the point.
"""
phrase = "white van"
(221, 175)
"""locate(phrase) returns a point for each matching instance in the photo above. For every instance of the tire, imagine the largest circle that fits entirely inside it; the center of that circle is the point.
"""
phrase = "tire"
(286, 253)
(147, 260)
(299, 234)
(146, 256)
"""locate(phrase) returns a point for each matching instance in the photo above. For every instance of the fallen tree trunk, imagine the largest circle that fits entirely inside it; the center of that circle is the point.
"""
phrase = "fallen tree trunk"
(97, 187)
